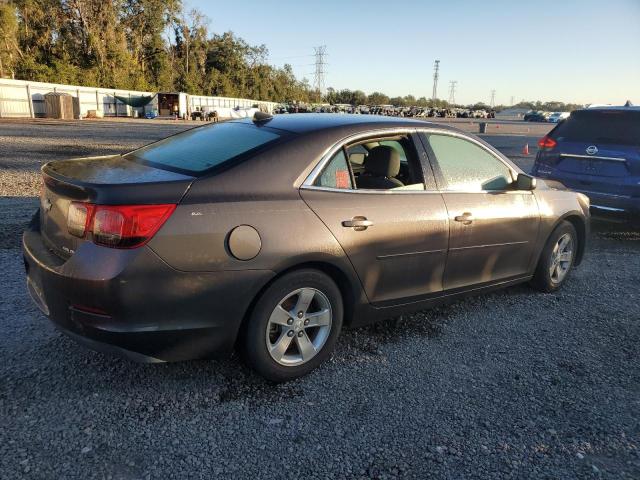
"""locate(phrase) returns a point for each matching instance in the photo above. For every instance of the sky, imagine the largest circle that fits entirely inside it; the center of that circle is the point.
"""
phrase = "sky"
(578, 51)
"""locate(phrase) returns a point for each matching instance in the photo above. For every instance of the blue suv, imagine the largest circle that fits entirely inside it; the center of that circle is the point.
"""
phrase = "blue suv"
(596, 151)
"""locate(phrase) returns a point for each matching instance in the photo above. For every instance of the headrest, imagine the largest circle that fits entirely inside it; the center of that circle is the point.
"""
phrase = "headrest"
(357, 158)
(383, 161)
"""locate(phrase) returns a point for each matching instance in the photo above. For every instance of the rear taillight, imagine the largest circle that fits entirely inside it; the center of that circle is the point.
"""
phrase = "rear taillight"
(117, 226)
(547, 143)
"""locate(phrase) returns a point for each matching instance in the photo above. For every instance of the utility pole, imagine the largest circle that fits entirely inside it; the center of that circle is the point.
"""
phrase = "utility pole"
(436, 69)
(320, 53)
(452, 91)
(493, 98)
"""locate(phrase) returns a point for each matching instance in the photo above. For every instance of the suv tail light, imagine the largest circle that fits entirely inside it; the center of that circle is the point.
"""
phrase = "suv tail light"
(117, 226)
(547, 143)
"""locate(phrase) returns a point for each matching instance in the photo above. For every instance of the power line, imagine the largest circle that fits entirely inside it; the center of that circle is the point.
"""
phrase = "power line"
(452, 91)
(436, 69)
(493, 98)
(320, 53)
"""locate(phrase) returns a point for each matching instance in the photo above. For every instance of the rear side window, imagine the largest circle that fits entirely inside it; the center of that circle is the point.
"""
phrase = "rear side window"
(336, 173)
(592, 126)
(203, 148)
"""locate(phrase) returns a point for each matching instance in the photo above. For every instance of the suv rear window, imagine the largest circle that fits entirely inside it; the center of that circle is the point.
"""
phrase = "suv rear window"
(592, 126)
(203, 148)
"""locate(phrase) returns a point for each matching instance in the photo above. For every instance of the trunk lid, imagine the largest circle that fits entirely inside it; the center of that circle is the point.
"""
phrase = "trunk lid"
(110, 180)
(608, 160)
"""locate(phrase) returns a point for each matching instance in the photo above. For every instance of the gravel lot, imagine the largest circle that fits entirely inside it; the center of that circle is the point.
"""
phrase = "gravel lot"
(511, 385)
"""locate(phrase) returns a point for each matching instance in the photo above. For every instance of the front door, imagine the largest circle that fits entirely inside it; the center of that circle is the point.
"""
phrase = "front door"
(493, 227)
(395, 237)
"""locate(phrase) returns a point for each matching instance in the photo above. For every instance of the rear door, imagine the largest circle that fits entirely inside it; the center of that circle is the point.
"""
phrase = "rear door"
(396, 239)
(493, 228)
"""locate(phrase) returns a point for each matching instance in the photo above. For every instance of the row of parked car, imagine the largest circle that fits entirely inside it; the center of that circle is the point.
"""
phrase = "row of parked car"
(550, 117)
(388, 110)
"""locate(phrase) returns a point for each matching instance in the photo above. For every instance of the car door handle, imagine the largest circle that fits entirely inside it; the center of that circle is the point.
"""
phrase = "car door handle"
(357, 223)
(466, 218)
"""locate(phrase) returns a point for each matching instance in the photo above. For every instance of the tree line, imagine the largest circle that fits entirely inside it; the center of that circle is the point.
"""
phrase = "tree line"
(153, 45)
(138, 45)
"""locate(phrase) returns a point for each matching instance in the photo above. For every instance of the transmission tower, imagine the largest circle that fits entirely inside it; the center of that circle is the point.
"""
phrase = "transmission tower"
(452, 91)
(320, 53)
(493, 98)
(436, 69)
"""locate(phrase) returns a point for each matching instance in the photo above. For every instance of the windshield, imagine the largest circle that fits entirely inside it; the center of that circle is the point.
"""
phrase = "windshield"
(201, 149)
(614, 127)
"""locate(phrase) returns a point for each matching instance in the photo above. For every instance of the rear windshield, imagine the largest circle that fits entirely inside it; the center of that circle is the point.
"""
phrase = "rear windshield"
(200, 149)
(614, 127)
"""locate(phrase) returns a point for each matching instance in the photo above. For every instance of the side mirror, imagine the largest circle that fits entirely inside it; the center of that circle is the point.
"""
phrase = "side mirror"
(525, 182)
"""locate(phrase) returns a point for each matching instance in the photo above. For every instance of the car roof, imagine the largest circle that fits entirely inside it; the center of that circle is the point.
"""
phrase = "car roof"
(613, 108)
(312, 122)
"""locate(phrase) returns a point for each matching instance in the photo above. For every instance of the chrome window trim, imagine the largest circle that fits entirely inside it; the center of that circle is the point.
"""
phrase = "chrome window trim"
(328, 155)
(413, 192)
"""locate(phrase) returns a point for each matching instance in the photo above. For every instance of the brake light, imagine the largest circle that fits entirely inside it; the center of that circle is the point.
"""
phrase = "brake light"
(547, 143)
(118, 226)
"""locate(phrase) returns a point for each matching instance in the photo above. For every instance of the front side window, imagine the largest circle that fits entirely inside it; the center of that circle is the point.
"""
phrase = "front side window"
(465, 166)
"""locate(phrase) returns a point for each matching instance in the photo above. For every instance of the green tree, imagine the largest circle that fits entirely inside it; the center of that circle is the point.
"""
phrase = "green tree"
(377, 98)
(9, 49)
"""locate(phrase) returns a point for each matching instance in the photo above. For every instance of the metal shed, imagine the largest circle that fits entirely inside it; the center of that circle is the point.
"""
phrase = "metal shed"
(61, 105)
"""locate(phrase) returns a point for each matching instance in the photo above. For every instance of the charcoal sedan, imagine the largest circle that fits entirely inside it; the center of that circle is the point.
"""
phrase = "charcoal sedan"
(268, 235)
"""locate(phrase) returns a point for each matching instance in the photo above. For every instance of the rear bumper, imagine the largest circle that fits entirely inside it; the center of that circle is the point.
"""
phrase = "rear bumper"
(131, 303)
(621, 207)
(603, 205)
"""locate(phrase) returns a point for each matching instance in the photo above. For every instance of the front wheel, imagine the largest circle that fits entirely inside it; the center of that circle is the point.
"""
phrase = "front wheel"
(294, 325)
(557, 258)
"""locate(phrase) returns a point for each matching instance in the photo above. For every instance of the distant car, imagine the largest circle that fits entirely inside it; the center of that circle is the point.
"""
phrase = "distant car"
(535, 117)
(270, 235)
(597, 151)
(556, 117)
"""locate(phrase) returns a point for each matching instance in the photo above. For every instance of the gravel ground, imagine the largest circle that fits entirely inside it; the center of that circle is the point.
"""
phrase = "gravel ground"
(511, 385)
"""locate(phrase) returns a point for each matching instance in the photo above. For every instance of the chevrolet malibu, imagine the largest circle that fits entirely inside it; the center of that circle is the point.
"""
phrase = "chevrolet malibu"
(268, 235)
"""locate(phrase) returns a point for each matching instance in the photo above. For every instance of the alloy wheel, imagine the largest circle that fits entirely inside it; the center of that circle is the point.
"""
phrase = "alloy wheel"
(561, 258)
(299, 326)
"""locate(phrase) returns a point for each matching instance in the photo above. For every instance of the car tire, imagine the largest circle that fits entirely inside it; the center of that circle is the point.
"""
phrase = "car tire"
(280, 330)
(557, 258)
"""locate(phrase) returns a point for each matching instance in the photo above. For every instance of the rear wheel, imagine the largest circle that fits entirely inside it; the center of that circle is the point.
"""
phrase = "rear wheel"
(557, 258)
(294, 325)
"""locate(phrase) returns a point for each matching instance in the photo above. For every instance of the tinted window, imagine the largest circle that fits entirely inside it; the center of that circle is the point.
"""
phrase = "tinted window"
(202, 148)
(336, 173)
(592, 126)
(464, 166)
